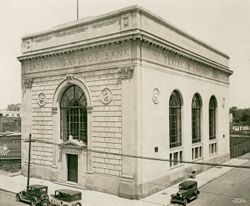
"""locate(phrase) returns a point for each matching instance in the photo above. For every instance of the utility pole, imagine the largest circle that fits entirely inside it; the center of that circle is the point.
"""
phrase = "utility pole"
(29, 153)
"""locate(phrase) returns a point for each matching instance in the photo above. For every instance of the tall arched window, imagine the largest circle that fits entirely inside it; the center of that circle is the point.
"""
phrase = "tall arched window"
(175, 120)
(73, 114)
(196, 118)
(212, 118)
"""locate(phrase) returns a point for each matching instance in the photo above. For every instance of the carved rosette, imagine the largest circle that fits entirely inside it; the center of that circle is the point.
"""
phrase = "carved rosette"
(126, 72)
(106, 96)
(41, 99)
(28, 83)
(155, 96)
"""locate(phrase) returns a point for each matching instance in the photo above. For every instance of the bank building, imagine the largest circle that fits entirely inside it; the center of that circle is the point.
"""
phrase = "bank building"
(101, 93)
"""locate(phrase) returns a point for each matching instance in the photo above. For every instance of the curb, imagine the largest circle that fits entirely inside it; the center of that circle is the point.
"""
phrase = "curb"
(1, 189)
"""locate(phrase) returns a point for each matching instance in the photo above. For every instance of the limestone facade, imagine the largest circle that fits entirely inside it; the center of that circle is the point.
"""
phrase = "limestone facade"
(127, 63)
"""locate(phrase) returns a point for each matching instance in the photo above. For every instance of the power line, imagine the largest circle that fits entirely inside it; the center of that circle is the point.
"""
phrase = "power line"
(155, 159)
(150, 158)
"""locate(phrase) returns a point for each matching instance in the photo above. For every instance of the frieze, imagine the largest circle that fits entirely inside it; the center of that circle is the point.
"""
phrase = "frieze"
(79, 58)
(178, 62)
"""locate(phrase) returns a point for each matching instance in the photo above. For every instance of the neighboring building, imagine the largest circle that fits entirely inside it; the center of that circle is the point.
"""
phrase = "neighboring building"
(13, 110)
(10, 146)
(10, 118)
(126, 82)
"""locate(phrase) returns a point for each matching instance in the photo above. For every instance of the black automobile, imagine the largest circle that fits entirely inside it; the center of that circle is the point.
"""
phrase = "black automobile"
(188, 190)
(35, 195)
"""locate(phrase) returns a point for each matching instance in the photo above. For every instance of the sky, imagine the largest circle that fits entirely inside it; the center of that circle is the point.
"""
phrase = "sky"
(223, 24)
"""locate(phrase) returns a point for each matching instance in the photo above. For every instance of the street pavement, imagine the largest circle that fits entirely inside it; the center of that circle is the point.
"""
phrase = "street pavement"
(93, 198)
(232, 188)
(9, 199)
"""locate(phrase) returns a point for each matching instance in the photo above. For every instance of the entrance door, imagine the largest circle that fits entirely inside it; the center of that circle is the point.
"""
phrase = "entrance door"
(72, 167)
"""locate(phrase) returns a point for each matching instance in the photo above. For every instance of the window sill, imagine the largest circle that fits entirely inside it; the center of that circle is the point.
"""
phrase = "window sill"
(212, 141)
(176, 166)
(213, 154)
(199, 159)
(175, 149)
(197, 144)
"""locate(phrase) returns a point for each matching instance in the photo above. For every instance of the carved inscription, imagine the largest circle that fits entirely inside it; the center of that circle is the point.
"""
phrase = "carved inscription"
(76, 30)
(85, 57)
(183, 64)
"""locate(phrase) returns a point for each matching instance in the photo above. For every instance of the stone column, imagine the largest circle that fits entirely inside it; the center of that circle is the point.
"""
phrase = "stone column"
(26, 114)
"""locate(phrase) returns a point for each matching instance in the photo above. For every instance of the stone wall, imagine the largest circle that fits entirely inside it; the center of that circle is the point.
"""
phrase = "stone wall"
(106, 119)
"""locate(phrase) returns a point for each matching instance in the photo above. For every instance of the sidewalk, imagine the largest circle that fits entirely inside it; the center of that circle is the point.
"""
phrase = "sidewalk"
(94, 198)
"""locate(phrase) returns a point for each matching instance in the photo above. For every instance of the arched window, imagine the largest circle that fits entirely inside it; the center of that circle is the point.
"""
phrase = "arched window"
(73, 114)
(175, 120)
(212, 118)
(196, 118)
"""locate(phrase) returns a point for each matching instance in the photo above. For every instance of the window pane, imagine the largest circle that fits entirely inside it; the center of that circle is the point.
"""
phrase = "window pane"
(175, 120)
(212, 118)
(73, 114)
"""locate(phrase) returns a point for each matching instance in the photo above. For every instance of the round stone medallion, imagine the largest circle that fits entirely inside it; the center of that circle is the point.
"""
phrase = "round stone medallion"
(106, 96)
(41, 99)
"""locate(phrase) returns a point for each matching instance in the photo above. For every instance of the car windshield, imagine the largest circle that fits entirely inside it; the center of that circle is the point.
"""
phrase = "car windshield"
(183, 187)
(63, 196)
(44, 190)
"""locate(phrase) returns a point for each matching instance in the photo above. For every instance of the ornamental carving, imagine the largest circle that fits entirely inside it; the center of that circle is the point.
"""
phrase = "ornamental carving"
(41, 99)
(69, 77)
(28, 83)
(155, 96)
(126, 72)
(223, 102)
(54, 110)
(106, 96)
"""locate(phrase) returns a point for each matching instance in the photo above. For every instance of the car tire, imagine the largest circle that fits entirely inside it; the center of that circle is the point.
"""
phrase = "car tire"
(18, 199)
(33, 202)
(78, 204)
(45, 203)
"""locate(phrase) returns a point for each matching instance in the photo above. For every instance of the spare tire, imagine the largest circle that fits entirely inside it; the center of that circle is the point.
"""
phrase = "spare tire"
(43, 197)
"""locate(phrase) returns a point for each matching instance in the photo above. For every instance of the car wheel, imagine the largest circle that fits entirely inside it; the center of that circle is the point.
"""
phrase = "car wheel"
(18, 199)
(78, 204)
(33, 202)
(185, 202)
(45, 203)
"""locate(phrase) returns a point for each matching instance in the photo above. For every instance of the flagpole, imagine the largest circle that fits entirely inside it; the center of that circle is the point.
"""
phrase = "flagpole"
(77, 10)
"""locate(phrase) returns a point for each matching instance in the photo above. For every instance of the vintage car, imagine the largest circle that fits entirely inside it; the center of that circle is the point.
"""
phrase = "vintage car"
(188, 190)
(34, 194)
(66, 197)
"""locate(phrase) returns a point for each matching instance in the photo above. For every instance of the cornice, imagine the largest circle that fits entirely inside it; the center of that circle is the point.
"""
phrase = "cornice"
(134, 35)
(118, 13)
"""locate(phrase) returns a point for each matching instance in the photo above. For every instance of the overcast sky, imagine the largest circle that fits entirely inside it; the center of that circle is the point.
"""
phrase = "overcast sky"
(223, 24)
